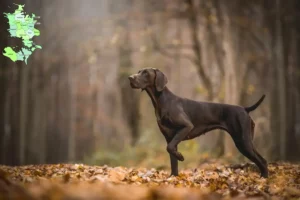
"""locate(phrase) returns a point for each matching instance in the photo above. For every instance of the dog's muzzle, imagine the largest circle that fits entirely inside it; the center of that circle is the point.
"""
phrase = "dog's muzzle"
(133, 83)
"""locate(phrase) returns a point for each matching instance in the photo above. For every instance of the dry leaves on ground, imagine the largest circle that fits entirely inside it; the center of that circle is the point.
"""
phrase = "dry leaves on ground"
(77, 181)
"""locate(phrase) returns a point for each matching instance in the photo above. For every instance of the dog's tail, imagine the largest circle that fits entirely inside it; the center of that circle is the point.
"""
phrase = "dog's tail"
(253, 107)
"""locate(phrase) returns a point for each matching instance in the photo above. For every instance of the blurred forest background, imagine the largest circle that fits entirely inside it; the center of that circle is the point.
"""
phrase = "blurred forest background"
(73, 101)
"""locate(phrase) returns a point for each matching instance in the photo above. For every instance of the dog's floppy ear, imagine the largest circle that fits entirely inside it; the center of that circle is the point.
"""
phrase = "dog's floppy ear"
(160, 80)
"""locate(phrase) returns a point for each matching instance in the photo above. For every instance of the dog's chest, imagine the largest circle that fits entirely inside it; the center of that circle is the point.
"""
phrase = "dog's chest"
(167, 127)
(164, 115)
(167, 122)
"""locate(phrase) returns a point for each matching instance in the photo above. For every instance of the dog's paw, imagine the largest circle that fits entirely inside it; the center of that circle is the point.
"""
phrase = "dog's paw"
(179, 156)
(173, 174)
(264, 175)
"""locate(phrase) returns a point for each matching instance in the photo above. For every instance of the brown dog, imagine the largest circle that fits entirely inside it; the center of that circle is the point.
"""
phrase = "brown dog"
(183, 119)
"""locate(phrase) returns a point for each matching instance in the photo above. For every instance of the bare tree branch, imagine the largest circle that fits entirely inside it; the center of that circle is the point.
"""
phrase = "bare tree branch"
(193, 23)
(214, 39)
(164, 52)
(244, 81)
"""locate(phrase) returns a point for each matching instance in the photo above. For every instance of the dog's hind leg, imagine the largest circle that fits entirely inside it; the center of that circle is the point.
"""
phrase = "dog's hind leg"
(242, 137)
(252, 135)
(261, 158)
(245, 146)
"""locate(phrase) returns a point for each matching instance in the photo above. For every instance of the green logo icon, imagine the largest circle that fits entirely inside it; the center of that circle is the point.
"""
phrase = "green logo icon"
(21, 25)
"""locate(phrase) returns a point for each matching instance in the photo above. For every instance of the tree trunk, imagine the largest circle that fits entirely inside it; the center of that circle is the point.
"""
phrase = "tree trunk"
(216, 39)
(197, 48)
(280, 71)
(73, 114)
(292, 50)
(42, 127)
(24, 70)
(3, 83)
(230, 76)
(177, 59)
(130, 99)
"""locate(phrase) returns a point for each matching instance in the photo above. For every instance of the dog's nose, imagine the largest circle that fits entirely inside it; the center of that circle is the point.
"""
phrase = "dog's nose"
(131, 77)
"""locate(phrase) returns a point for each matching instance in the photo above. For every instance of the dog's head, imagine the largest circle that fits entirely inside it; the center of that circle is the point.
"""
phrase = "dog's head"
(148, 77)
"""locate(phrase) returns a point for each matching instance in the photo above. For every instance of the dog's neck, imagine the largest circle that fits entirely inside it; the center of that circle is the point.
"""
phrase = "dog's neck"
(155, 97)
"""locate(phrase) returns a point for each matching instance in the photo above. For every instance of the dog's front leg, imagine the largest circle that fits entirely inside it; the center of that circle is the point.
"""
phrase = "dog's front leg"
(173, 162)
(168, 133)
(174, 165)
(184, 122)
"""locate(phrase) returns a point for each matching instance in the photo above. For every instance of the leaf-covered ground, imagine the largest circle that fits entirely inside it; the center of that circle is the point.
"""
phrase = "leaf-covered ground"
(77, 181)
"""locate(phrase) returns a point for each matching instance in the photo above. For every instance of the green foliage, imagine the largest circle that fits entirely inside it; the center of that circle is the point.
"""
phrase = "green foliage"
(150, 151)
(201, 90)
